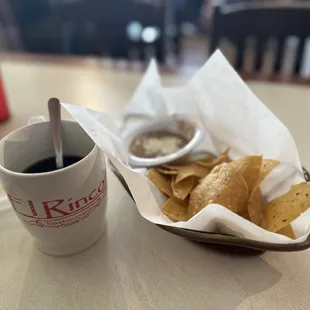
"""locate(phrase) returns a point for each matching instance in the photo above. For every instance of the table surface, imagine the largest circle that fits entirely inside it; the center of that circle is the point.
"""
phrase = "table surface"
(136, 265)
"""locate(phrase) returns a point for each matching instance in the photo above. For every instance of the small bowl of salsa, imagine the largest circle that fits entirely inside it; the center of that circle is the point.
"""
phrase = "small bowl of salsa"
(162, 141)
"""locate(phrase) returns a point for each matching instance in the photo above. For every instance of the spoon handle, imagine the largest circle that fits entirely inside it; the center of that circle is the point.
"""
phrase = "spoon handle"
(55, 122)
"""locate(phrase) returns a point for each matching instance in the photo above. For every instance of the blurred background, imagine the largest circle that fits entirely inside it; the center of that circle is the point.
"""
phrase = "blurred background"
(261, 39)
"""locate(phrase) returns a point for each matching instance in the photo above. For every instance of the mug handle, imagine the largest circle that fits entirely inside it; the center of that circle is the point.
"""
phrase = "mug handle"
(36, 119)
(4, 202)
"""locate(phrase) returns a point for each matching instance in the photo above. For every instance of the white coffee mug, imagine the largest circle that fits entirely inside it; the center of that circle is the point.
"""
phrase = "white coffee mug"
(64, 210)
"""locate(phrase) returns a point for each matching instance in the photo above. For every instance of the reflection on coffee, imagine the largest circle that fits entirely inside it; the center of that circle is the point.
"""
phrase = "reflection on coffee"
(49, 164)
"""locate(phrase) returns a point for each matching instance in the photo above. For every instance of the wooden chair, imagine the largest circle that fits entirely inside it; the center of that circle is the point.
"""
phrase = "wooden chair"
(264, 23)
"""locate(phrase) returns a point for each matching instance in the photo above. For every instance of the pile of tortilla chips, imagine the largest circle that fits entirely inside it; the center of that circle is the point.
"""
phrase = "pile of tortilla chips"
(192, 186)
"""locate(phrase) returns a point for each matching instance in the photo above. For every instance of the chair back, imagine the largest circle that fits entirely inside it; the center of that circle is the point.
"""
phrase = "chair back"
(278, 30)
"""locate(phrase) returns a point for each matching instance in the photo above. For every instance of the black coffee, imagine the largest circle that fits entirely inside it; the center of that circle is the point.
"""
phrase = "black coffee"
(49, 164)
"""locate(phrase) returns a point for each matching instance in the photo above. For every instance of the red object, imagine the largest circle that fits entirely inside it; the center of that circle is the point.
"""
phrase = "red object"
(4, 110)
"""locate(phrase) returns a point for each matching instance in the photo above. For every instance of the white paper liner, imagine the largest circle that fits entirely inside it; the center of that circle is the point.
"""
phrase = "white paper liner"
(232, 117)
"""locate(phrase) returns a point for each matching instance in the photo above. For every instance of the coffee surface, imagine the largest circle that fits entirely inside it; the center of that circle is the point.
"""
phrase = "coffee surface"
(49, 164)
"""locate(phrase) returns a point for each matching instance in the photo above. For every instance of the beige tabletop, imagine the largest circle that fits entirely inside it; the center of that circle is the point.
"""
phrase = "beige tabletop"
(136, 265)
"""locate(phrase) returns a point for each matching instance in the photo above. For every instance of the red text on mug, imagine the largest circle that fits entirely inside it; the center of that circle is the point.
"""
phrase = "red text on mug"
(59, 212)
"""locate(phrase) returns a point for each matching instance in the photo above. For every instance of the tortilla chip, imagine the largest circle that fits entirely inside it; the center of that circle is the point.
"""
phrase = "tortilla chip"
(283, 210)
(175, 210)
(224, 186)
(221, 159)
(207, 159)
(167, 171)
(173, 167)
(190, 171)
(287, 231)
(267, 166)
(256, 207)
(160, 181)
(249, 167)
(246, 216)
(182, 189)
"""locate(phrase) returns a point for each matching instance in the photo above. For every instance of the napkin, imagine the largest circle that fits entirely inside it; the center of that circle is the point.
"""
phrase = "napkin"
(231, 115)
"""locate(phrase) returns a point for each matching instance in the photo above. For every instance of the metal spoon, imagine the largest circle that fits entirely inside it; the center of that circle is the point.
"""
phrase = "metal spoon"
(55, 126)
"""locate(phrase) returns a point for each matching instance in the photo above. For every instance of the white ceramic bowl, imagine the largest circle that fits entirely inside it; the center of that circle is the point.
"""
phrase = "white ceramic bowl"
(186, 127)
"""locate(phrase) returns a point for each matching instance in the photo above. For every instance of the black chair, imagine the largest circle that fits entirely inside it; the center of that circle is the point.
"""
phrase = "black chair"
(151, 19)
(240, 21)
(10, 27)
(96, 27)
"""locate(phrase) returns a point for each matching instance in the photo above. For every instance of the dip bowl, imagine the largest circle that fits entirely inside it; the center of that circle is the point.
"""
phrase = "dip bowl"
(186, 128)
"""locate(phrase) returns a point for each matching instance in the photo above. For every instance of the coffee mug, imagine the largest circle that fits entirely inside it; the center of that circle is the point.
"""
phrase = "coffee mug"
(64, 210)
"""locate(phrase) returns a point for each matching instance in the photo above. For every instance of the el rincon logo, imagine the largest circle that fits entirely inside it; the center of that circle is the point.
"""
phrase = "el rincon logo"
(58, 208)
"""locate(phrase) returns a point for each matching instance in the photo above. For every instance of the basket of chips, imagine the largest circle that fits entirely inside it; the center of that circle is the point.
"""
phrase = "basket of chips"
(246, 188)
